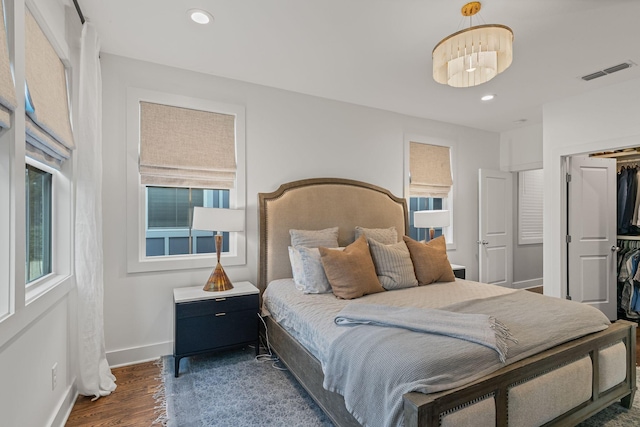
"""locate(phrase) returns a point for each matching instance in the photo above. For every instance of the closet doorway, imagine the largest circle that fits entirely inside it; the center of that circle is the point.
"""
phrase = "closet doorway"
(603, 207)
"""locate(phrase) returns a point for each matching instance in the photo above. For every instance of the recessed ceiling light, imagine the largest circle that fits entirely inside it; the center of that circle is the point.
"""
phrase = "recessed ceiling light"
(200, 16)
(487, 97)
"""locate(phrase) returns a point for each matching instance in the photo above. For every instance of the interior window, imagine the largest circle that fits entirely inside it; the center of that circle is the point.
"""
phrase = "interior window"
(38, 223)
(169, 212)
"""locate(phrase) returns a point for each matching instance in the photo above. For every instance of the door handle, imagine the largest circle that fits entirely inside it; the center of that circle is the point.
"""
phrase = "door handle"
(482, 242)
(615, 248)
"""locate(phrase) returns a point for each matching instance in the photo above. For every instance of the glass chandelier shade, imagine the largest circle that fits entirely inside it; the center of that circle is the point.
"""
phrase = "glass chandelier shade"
(473, 56)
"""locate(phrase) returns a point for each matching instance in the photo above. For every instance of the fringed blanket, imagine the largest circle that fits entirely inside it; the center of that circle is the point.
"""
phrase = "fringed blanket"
(373, 366)
(477, 328)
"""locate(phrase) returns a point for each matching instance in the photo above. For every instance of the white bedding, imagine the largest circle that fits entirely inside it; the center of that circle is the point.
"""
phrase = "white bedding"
(310, 317)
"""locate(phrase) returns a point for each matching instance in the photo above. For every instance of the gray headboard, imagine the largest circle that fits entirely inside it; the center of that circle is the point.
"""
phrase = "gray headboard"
(314, 204)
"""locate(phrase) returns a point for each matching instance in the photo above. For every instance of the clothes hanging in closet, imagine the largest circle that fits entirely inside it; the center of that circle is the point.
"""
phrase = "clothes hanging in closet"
(629, 278)
(628, 215)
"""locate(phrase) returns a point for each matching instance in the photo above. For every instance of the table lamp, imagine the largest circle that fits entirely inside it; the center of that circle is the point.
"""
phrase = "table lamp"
(431, 220)
(218, 219)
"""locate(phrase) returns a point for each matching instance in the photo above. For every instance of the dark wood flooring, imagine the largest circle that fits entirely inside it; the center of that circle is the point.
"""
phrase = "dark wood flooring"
(131, 404)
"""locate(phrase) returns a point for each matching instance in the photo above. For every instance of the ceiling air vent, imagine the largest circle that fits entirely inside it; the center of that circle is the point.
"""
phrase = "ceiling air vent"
(609, 70)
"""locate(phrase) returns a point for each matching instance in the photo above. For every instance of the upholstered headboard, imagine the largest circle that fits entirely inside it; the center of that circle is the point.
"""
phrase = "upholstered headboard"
(315, 204)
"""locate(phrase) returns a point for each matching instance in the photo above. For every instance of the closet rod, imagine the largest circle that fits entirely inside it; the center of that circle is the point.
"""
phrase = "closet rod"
(622, 237)
(80, 15)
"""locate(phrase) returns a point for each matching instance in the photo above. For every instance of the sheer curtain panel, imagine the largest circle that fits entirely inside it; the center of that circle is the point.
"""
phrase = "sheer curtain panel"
(48, 128)
(94, 375)
(8, 102)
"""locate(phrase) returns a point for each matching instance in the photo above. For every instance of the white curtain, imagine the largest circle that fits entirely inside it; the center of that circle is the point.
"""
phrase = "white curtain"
(94, 376)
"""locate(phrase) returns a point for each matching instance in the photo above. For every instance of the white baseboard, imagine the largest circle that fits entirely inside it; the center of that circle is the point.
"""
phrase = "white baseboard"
(59, 418)
(129, 356)
(524, 284)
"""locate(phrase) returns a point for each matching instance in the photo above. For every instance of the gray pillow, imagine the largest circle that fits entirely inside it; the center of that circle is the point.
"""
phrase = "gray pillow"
(393, 265)
(327, 238)
(386, 236)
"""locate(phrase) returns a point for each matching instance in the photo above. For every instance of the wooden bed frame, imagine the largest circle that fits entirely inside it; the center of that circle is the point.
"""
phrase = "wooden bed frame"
(327, 202)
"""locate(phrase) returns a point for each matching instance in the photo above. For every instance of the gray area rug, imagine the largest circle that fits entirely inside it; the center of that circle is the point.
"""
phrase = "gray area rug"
(233, 389)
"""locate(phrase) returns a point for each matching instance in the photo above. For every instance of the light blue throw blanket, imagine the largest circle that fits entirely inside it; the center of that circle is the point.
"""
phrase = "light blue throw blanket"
(373, 366)
(477, 328)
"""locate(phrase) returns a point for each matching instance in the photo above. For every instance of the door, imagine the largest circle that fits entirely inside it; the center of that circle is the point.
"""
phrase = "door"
(591, 243)
(495, 255)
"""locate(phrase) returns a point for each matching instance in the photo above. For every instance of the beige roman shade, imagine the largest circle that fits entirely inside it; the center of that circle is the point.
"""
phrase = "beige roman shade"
(180, 147)
(48, 126)
(430, 168)
(8, 101)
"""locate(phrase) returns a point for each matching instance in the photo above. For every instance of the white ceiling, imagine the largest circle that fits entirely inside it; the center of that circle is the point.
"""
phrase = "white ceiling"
(377, 53)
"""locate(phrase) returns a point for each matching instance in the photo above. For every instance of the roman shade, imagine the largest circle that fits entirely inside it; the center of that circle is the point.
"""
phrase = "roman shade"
(181, 147)
(49, 138)
(8, 101)
(430, 168)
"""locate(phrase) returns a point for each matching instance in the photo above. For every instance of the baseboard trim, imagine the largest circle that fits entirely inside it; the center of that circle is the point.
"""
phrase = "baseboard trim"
(132, 355)
(59, 418)
(524, 284)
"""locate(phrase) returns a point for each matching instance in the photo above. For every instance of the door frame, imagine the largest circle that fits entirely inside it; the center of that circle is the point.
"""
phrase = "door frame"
(555, 266)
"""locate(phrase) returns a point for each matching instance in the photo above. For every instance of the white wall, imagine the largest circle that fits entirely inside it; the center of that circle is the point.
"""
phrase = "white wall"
(289, 136)
(603, 119)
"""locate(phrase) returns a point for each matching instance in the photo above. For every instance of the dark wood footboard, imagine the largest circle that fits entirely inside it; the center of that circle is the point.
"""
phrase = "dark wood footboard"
(422, 410)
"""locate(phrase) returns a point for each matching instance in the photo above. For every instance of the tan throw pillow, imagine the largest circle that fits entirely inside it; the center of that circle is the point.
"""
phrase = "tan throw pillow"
(430, 260)
(351, 273)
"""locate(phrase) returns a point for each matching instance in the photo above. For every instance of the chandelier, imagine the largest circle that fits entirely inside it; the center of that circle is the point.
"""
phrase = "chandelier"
(474, 55)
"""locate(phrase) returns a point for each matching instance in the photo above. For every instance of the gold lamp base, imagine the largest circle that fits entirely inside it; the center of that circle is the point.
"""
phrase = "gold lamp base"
(218, 281)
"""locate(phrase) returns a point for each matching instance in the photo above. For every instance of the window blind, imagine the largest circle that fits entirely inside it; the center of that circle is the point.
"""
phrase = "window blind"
(430, 168)
(530, 197)
(8, 102)
(181, 147)
(48, 127)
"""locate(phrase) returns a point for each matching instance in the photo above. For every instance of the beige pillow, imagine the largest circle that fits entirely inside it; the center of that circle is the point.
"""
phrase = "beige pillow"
(315, 238)
(393, 265)
(430, 260)
(351, 273)
(386, 236)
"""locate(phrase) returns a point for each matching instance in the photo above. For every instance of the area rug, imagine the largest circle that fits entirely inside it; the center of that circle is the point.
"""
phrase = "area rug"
(234, 389)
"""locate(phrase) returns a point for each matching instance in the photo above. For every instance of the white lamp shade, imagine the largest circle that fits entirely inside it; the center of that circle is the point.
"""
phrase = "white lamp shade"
(218, 219)
(431, 219)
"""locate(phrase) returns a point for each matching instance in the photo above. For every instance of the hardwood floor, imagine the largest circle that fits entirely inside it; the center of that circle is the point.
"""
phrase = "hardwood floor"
(131, 404)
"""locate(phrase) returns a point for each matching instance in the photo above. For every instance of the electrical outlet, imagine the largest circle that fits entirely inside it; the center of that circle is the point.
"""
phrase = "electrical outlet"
(54, 376)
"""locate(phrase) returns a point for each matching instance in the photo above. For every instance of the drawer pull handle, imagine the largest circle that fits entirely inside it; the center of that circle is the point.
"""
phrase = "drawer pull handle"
(221, 299)
(221, 314)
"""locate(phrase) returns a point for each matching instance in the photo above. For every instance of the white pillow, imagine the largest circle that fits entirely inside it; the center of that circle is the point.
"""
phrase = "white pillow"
(308, 272)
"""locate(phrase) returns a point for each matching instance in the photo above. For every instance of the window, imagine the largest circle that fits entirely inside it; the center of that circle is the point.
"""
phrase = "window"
(530, 197)
(169, 215)
(38, 223)
(184, 152)
(430, 184)
(423, 204)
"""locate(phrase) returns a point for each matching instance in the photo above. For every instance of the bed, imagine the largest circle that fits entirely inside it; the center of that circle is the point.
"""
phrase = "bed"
(512, 394)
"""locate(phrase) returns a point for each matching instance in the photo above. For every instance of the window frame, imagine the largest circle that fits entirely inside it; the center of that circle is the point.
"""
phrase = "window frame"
(447, 202)
(137, 261)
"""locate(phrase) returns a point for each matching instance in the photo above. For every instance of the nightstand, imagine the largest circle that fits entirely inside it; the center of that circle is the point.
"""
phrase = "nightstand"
(459, 271)
(211, 321)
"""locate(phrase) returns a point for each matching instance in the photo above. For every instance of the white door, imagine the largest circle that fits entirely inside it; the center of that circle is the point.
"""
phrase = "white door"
(592, 229)
(495, 255)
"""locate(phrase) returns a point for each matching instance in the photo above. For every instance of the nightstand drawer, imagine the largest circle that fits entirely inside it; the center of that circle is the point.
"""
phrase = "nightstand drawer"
(216, 330)
(216, 305)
